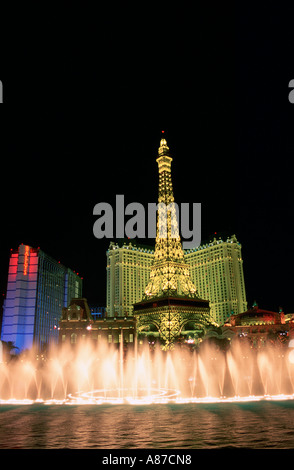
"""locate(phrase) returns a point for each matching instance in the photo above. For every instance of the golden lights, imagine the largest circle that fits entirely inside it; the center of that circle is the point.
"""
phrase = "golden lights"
(26, 260)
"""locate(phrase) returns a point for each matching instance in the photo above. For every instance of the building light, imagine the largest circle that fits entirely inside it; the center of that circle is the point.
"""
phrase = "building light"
(190, 341)
(26, 260)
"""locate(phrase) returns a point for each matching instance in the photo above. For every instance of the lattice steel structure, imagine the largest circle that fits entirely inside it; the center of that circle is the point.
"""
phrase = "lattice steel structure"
(170, 300)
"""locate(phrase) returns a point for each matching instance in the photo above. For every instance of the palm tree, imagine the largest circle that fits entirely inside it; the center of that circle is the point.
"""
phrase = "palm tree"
(218, 335)
(8, 346)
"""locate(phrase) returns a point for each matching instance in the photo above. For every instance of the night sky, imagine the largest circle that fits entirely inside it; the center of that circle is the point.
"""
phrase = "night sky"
(87, 98)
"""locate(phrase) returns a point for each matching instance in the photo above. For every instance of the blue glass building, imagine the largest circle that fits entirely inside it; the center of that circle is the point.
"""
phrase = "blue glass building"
(97, 312)
(37, 288)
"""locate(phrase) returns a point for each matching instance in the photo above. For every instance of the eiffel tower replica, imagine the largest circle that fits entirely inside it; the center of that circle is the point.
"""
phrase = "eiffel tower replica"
(170, 300)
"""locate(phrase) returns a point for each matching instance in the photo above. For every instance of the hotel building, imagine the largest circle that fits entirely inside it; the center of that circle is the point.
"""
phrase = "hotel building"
(38, 287)
(261, 327)
(127, 271)
(216, 269)
(78, 323)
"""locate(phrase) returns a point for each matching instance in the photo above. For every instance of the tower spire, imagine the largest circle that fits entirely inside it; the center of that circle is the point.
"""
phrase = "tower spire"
(169, 272)
(163, 148)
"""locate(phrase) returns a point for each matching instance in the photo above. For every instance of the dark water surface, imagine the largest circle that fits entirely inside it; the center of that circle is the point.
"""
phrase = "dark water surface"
(265, 425)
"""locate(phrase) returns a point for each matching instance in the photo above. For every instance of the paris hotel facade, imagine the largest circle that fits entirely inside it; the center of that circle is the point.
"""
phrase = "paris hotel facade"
(216, 269)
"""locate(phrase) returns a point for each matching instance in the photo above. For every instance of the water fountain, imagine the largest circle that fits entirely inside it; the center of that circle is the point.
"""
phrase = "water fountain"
(95, 375)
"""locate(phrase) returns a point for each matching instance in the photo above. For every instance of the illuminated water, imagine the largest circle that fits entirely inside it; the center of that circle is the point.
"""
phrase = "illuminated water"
(190, 426)
(103, 374)
(88, 397)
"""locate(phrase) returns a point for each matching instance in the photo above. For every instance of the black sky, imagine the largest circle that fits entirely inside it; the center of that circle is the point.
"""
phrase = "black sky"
(86, 99)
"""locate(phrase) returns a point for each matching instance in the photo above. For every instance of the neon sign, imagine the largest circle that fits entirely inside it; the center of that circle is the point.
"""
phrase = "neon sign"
(26, 260)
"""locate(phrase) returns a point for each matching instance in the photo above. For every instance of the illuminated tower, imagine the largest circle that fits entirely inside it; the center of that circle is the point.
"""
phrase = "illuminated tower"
(169, 273)
(216, 269)
(170, 300)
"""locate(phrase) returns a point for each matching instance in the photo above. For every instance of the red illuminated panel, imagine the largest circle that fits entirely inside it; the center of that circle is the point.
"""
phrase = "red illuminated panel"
(26, 260)
(13, 269)
(13, 264)
(33, 268)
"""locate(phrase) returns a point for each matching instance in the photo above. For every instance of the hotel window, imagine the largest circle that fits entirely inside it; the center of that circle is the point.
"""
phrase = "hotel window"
(110, 338)
(73, 338)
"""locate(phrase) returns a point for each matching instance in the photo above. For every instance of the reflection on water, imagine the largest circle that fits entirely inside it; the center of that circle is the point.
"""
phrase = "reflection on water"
(168, 384)
(194, 426)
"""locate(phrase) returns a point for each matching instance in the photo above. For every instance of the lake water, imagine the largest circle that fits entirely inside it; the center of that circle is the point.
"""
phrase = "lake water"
(256, 425)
